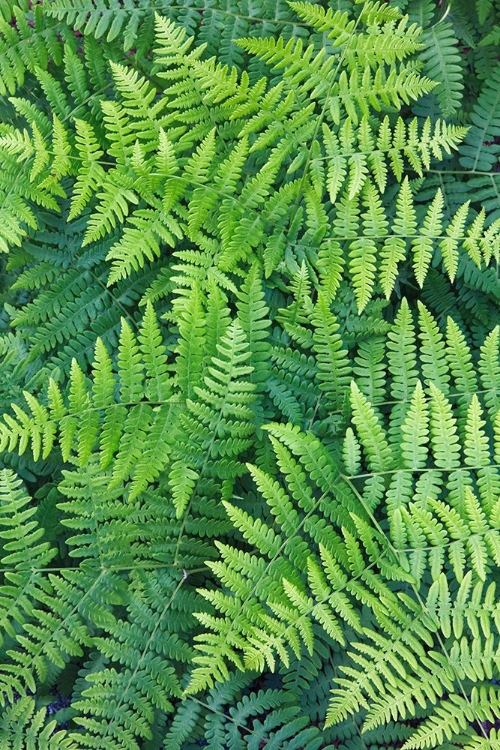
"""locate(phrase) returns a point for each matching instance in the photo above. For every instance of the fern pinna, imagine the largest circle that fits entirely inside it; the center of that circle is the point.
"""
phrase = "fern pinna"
(249, 347)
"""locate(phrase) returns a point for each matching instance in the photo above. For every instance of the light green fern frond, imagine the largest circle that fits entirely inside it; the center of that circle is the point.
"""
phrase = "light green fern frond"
(218, 424)
(129, 427)
(23, 725)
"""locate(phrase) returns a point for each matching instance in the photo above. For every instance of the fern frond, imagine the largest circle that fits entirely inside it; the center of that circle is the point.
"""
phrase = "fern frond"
(117, 705)
(305, 437)
(370, 431)
(356, 153)
(218, 424)
(25, 47)
(91, 173)
(113, 206)
(22, 724)
(333, 368)
(120, 421)
(479, 152)
(142, 237)
(25, 551)
(101, 19)
(452, 718)
(443, 64)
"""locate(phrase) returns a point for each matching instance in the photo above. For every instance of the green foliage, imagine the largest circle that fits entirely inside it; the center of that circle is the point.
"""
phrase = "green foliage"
(442, 512)
(249, 375)
(23, 726)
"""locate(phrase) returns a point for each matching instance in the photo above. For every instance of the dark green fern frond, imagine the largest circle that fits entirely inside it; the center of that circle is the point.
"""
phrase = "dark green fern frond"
(118, 702)
(479, 152)
(58, 629)
(28, 39)
(103, 19)
(443, 64)
(268, 716)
